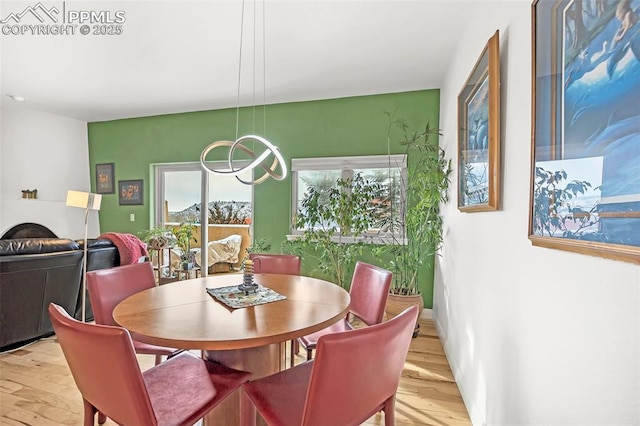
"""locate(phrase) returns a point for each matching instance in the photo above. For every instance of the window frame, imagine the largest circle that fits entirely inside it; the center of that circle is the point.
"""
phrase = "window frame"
(347, 165)
(158, 171)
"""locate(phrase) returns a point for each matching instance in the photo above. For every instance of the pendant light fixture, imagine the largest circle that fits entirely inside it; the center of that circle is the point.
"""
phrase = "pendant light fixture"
(248, 144)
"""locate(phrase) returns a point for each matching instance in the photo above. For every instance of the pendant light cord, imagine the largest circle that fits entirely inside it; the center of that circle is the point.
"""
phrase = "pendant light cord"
(239, 71)
(264, 70)
(253, 75)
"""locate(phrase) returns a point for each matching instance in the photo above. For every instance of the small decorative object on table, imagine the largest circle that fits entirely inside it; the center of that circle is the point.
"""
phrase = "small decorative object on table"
(233, 297)
(248, 286)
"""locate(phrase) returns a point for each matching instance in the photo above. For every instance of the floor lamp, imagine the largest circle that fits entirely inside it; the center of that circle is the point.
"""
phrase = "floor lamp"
(86, 201)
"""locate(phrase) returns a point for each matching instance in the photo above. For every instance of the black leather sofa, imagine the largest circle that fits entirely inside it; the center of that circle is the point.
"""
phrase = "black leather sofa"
(35, 271)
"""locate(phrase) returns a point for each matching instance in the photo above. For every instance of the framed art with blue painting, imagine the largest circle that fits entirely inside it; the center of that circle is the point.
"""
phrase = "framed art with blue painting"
(479, 133)
(585, 174)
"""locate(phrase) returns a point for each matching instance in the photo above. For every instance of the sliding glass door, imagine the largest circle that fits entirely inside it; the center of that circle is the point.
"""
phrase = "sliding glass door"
(182, 189)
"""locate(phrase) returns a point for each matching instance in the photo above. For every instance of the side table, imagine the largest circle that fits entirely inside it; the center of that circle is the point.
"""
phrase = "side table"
(185, 274)
(161, 264)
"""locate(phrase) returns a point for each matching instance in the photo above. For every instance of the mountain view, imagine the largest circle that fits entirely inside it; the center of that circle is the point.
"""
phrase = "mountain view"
(230, 212)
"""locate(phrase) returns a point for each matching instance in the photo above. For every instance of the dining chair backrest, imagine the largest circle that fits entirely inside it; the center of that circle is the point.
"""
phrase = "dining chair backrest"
(108, 287)
(355, 373)
(275, 263)
(102, 360)
(369, 291)
(104, 366)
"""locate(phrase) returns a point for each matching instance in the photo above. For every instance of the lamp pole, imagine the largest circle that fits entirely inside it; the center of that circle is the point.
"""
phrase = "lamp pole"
(84, 265)
(86, 201)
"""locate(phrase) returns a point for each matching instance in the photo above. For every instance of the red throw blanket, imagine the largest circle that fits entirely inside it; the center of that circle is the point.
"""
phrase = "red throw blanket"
(129, 246)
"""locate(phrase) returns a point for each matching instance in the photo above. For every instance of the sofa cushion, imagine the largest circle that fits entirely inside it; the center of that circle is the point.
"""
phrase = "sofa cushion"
(95, 243)
(23, 246)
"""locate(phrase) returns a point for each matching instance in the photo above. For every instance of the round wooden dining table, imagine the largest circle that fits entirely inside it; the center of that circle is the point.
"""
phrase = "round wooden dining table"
(183, 315)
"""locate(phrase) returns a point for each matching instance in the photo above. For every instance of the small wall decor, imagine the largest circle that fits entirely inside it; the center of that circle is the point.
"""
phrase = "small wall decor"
(30, 193)
(130, 192)
(585, 172)
(479, 133)
(105, 178)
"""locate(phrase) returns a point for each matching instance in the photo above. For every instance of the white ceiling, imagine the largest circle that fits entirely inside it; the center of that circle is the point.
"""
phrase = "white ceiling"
(177, 56)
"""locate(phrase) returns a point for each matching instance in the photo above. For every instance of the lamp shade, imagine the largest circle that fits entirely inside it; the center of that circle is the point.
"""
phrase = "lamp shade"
(84, 200)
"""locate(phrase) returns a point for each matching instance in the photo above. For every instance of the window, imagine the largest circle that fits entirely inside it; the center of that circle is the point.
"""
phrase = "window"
(180, 189)
(322, 174)
(179, 196)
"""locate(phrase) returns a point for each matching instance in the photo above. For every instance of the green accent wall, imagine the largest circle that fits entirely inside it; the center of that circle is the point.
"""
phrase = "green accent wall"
(325, 128)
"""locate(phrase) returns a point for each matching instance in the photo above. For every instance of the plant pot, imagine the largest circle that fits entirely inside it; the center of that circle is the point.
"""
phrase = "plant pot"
(187, 266)
(397, 303)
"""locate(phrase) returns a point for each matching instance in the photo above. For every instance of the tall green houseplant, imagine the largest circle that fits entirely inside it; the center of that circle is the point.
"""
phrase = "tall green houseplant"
(414, 222)
(332, 218)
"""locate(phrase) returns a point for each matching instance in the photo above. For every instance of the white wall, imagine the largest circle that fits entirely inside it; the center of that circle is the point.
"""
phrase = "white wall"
(534, 336)
(49, 153)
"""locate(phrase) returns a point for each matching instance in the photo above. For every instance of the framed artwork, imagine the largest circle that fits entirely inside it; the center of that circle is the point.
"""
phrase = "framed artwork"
(585, 173)
(479, 133)
(105, 183)
(130, 192)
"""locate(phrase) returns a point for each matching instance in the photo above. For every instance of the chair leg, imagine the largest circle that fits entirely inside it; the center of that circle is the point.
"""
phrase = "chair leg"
(89, 413)
(292, 354)
(158, 359)
(309, 354)
(389, 409)
(101, 418)
(247, 410)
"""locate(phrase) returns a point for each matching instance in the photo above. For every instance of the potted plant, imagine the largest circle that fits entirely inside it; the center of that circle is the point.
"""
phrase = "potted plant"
(157, 238)
(332, 219)
(414, 226)
(183, 235)
(260, 245)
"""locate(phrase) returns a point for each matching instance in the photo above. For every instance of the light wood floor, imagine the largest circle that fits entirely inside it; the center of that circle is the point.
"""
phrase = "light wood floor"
(37, 389)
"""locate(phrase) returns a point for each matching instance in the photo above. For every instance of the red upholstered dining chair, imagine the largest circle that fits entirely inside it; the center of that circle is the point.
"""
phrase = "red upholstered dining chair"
(103, 363)
(275, 263)
(278, 264)
(369, 290)
(108, 287)
(354, 375)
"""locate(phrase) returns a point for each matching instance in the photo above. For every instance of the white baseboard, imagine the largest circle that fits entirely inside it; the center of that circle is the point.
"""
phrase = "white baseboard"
(473, 411)
(426, 314)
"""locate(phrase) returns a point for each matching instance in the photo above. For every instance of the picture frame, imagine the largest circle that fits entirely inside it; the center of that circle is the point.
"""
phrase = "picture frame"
(479, 133)
(130, 192)
(105, 182)
(585, 173)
